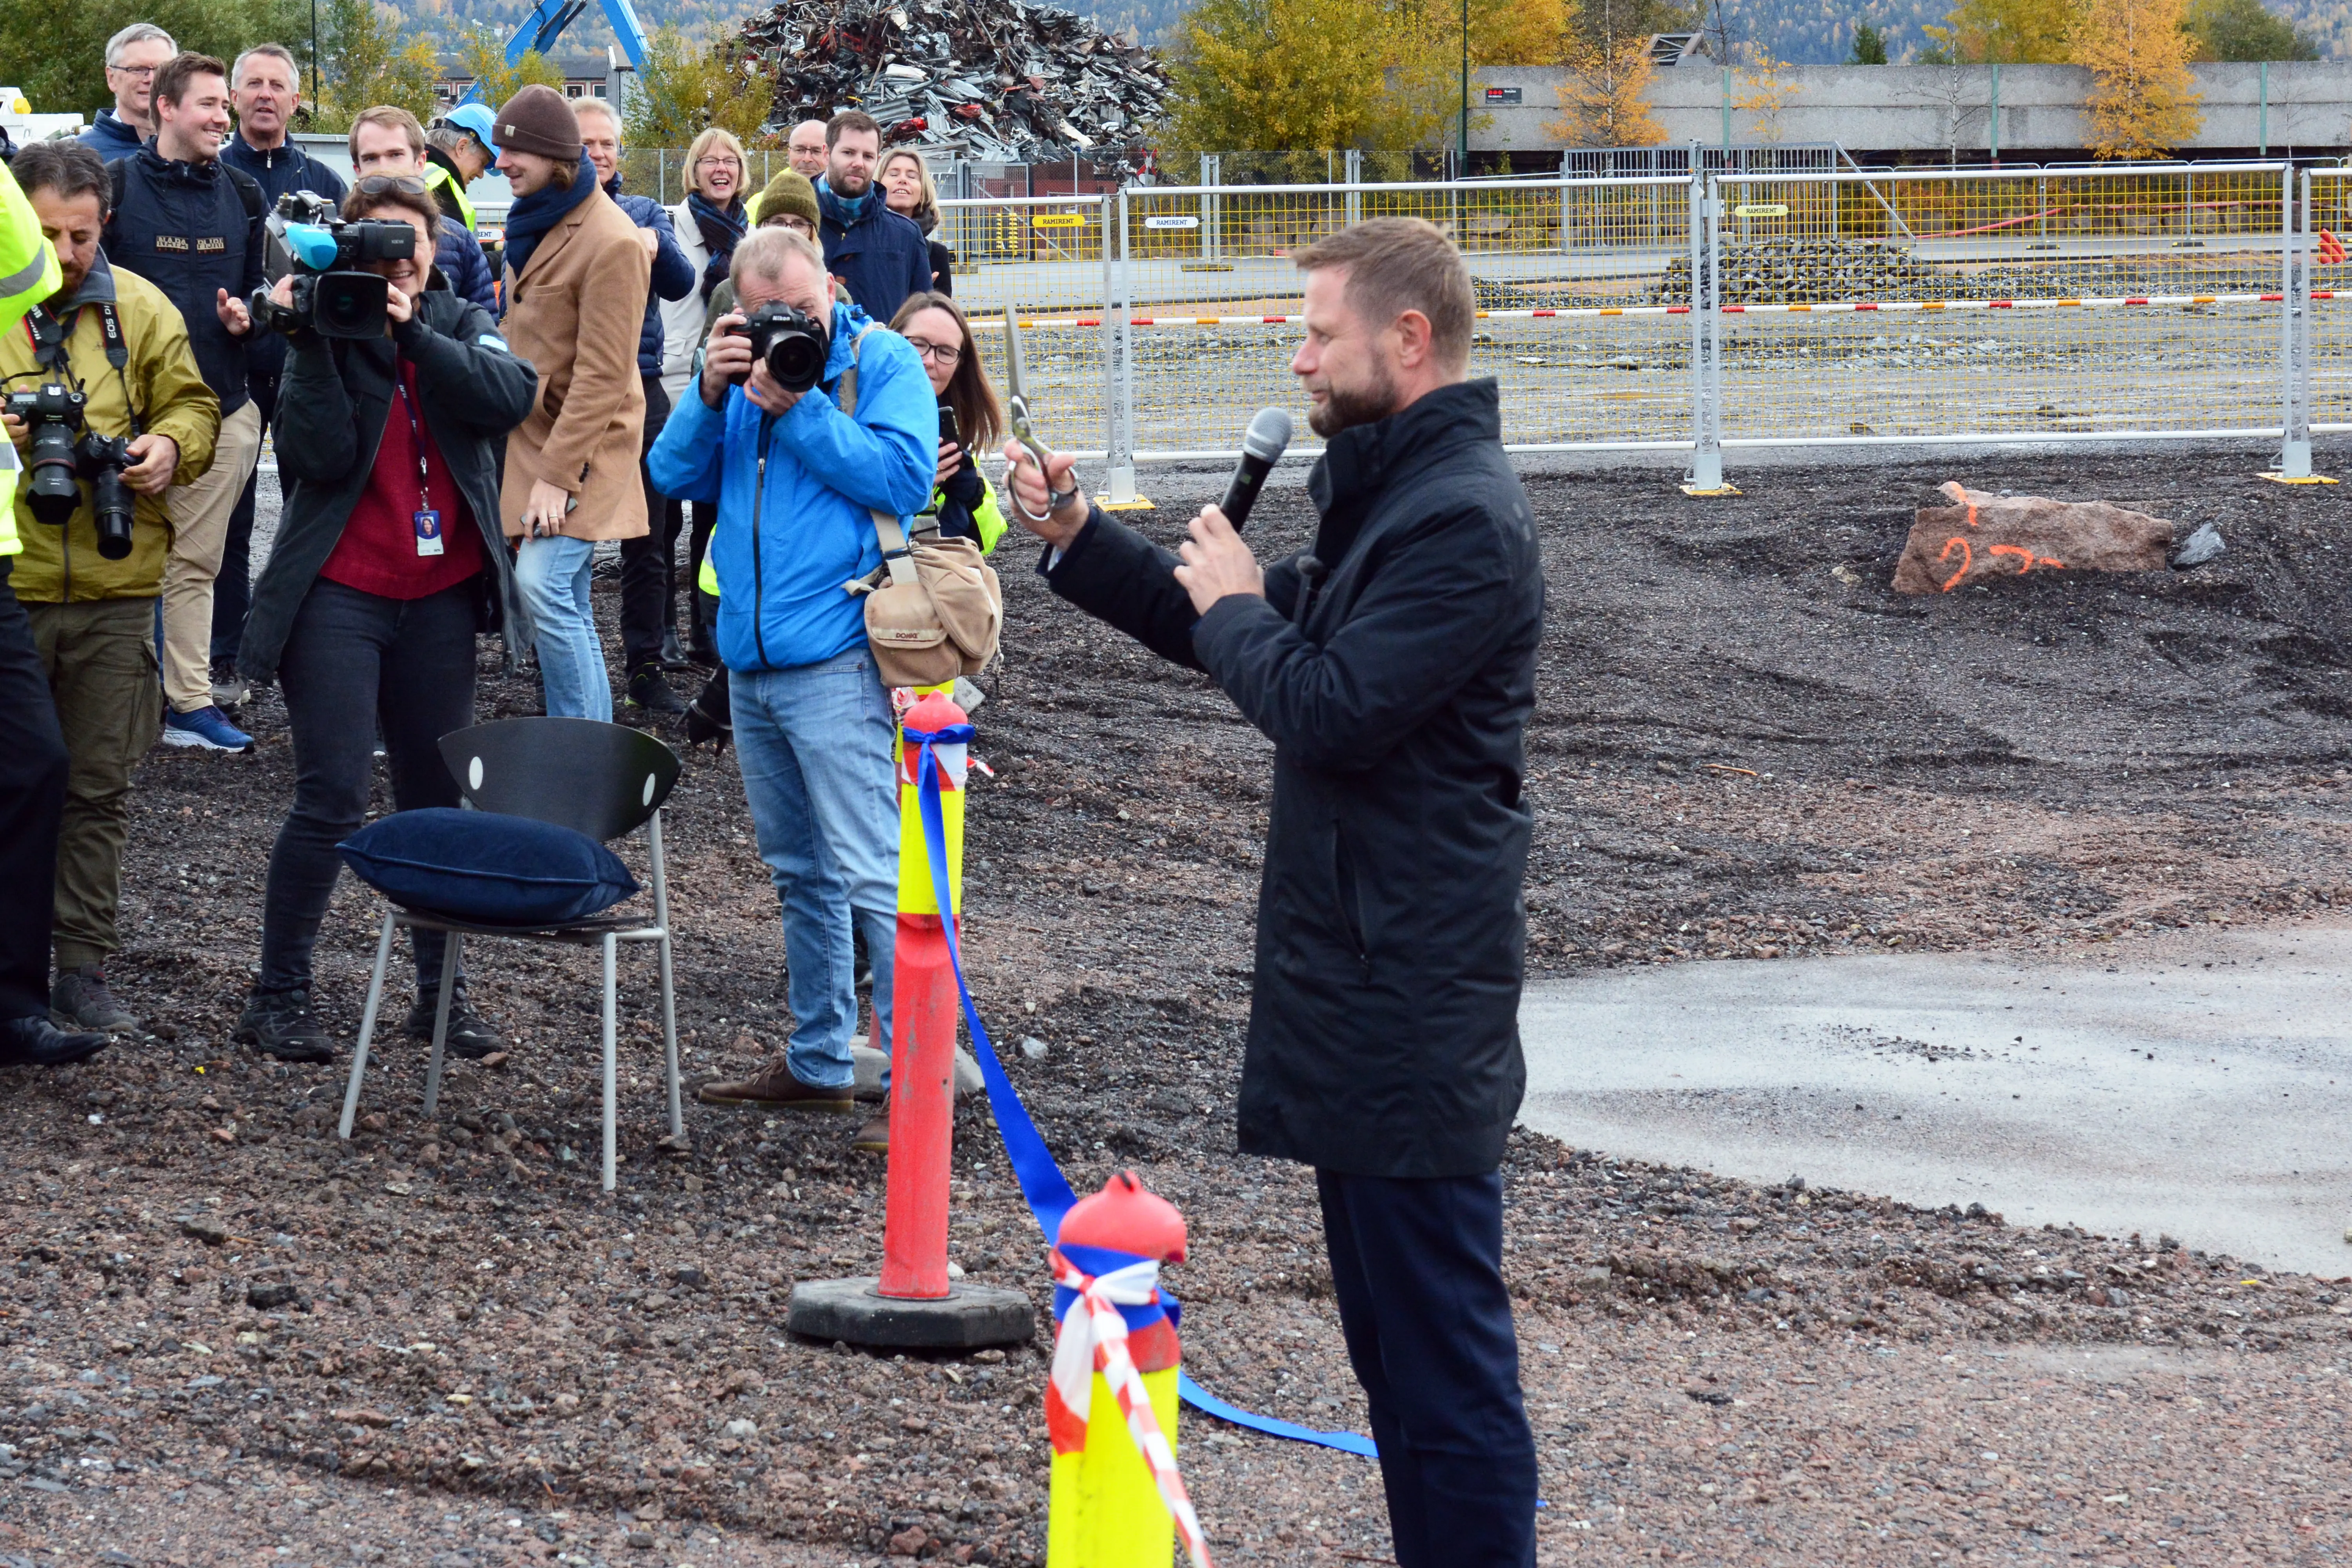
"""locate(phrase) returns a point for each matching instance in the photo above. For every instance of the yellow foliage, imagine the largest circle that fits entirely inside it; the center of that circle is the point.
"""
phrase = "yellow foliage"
(484, 58)
(1602, 95)
(367, 65)
(687, 85)
(2142, 100)
(2009, 32)
(1764, 90)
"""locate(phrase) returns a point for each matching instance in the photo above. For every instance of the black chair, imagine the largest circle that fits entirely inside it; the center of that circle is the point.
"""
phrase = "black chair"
(602, 780)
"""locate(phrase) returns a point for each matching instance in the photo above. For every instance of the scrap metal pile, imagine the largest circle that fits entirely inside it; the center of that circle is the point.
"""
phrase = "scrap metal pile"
(1006, 81)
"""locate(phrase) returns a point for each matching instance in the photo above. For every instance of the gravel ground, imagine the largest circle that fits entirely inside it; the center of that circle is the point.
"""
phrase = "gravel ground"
(232, 1338)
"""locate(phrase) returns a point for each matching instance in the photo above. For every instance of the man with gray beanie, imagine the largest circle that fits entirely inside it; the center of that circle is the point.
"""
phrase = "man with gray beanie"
(576, 279)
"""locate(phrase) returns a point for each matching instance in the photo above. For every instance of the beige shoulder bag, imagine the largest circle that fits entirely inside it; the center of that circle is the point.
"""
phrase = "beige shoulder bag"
(933, 608)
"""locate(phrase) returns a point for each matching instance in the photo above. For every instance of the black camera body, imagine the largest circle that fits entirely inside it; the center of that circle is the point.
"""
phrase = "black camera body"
(320, 251)
(793, 343)
(64, 454)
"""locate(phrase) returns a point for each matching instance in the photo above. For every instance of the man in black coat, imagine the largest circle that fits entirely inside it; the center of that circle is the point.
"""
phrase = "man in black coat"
(1394, 666)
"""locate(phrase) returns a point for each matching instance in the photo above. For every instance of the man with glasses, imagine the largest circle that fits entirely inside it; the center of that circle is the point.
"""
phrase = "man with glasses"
(460, 150)
(132, 57)
(387, 139)
(805, 151)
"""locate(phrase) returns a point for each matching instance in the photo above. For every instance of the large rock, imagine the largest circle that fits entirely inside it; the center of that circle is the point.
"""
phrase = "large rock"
(868, 1064)
(1982, 536)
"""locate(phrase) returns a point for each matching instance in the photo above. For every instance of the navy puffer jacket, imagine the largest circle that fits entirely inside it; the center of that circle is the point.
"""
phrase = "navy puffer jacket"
(674, 276)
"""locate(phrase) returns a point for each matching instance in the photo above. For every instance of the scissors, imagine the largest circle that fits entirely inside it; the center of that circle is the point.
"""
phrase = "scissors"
(1017, 409)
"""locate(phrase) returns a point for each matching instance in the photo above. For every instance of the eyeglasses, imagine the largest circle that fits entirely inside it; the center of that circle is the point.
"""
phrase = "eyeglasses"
(379, 185)
(946, 353)
(721, 162)
(134, 70)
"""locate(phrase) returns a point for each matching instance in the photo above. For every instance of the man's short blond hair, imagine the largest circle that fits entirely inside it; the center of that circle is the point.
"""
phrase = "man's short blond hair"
(762, 254)
(1399, 264)
(602, 106)
(390, 115)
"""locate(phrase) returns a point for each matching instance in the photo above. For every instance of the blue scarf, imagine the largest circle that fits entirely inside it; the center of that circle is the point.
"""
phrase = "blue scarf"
(843, 210)
(531, 218)
(721, 227)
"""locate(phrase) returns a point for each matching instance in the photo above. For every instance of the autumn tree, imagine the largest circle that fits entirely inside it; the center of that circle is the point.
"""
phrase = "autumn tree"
(2007, 32)
(2142, 100)
(483, 57)
(1602, 95)
(687, 85)
(1763, 89)
(366, 64)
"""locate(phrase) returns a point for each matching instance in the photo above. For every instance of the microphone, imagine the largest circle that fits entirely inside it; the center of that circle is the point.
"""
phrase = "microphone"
(1261, 444)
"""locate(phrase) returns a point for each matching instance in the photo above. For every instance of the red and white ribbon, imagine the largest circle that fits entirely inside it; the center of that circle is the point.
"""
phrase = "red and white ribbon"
(1093, 1339)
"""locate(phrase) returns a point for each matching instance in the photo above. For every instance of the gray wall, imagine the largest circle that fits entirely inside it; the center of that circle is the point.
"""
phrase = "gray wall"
(1924, 108)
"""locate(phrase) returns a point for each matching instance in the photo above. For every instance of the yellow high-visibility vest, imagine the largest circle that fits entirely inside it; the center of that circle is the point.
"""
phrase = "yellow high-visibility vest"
(28, 274)
(438, 179)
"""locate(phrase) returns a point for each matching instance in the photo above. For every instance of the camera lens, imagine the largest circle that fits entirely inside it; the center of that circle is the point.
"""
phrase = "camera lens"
(351, 305)
(797, 360)
(52, 494)
(111, 500)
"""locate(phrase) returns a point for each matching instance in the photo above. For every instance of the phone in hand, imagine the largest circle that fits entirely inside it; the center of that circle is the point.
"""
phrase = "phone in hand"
(948, 430)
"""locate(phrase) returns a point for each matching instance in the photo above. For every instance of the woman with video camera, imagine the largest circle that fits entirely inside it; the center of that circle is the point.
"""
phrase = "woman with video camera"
(388, 559)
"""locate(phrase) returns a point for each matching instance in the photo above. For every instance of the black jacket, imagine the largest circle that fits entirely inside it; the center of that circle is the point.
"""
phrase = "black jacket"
(187, 229)
(332, 403)
(1383, 1035)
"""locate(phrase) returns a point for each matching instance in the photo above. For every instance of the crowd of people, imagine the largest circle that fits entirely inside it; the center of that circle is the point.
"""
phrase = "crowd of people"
(579, 379)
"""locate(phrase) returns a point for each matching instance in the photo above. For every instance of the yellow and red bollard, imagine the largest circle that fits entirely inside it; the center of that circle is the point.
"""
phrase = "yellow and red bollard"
(914, 1304)
(1110, 1406)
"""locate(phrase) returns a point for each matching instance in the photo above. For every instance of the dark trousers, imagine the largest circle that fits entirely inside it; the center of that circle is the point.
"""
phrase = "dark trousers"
(1417, 1266)
(32, 799)
(702, 609)
(354, 662)
(233, 589)
(649, 562)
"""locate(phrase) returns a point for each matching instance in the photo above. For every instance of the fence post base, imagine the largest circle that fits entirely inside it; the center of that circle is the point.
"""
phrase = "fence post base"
(2294, 466)
(1118, 490)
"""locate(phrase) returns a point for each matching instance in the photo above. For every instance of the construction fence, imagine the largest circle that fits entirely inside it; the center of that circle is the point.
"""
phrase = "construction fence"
(1709, 307)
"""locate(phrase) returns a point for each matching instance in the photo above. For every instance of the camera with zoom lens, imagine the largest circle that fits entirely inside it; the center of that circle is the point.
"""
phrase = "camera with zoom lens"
(793, 343)
(63, 455)
(322, 252)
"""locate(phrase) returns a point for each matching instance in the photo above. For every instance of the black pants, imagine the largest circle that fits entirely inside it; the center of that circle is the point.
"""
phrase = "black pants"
(702, 609)
(32, 798)
(354, 662)
(233, 589)
(648, 563)
(1417, 1266)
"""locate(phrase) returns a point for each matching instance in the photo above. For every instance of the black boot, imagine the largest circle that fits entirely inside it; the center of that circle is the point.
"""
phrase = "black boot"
(649, 691)
(711, 716)
(673, 656)
(36, 1042)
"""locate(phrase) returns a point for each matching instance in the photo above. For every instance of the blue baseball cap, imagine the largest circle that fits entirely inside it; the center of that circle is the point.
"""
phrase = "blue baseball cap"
(477, 119)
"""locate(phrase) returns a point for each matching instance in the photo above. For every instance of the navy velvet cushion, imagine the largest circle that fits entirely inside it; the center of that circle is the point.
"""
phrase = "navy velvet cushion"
(487, 868)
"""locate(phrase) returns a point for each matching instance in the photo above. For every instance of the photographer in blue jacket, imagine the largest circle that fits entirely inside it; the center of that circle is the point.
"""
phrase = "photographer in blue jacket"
(796, 479)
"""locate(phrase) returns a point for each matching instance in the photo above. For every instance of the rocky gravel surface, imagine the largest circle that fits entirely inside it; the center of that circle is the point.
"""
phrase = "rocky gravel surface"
(229, 1336)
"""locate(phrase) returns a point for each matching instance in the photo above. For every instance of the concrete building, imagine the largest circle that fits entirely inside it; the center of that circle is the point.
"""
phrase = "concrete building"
(1904, 114)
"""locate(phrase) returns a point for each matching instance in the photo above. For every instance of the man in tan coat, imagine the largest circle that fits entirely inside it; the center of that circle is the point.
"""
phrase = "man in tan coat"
(576, 278)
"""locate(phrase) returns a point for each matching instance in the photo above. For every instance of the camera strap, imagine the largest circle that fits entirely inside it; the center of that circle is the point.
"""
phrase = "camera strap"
(49, 336)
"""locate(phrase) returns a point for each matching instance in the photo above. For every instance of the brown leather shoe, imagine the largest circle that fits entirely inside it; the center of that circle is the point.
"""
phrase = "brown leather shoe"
(874, 1138)
(774, 1088)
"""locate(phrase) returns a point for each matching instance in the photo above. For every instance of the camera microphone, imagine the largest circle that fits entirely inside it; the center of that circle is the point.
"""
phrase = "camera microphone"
(1261, 444)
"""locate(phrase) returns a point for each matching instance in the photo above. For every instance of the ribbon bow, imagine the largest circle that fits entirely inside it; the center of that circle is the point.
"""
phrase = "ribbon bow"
(1093, 1339)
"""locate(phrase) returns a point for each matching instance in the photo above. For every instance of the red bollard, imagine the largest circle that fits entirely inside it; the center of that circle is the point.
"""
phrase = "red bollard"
(913, 1304)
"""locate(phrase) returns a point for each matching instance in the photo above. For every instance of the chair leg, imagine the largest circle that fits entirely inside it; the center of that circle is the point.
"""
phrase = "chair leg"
(610, 1029)
(367, 1026)
(669, 1043)
(441, 1022)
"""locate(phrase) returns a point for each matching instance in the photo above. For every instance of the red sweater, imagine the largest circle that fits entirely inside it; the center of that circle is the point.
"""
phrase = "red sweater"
(377, 553)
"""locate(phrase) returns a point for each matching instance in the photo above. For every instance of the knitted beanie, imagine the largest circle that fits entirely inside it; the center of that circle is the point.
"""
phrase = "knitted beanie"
(789, 195)
(537, 120)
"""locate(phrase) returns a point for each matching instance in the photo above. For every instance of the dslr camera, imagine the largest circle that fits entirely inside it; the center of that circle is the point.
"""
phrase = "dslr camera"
(64, 454)
(792, 343)
(322, 252)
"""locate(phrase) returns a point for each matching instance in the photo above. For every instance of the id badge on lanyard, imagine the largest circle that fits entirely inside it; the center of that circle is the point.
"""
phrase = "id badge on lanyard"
(429, 540)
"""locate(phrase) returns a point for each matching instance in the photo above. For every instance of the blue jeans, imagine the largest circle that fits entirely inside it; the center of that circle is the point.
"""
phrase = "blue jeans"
(552, 576)
(813, 745)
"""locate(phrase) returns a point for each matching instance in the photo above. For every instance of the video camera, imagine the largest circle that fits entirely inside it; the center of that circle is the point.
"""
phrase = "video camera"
(64, 454)
(321, 250)
(794, 344)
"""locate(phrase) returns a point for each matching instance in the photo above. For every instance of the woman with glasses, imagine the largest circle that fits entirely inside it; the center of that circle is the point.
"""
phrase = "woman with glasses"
(907, 189)
(708, 221)
(935, 329)
(388, 561)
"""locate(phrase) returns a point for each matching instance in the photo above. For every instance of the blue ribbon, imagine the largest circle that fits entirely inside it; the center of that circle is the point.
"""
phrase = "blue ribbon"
(1047, 1190)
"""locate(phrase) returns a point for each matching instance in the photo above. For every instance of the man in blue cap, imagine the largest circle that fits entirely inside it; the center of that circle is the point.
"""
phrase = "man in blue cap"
(458, 150)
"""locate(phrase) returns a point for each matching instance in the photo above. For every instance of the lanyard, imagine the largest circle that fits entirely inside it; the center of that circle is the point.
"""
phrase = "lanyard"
(416, 434)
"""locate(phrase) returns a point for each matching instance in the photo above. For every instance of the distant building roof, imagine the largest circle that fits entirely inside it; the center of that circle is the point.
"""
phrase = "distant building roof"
(1680, 48)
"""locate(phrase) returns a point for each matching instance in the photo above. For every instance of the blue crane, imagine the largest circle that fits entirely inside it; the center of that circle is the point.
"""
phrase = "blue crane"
(550, 17)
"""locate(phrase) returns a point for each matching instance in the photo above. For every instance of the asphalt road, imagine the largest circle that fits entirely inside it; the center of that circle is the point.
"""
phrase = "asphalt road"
(2190, 1084)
